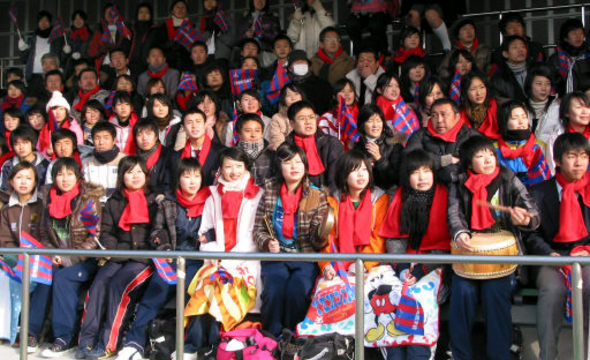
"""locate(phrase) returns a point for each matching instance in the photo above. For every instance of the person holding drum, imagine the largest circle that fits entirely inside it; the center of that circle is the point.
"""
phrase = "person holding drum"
(359, 209)
(567, 194)
(289, 219)
(488, 210)
(416, 223)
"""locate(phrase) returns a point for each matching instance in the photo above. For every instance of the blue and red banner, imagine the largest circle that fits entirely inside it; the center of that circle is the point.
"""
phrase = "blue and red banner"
(90, 219)
(346, 120)
(221, 20)
(279, 80)
(404, 119)
(409, 315)
(455, 88)
(188, 82)
(58, 29)
(242, 79)
(119, 22)
(165, 271)
(40, 265)
(187, 34)
(13, 14)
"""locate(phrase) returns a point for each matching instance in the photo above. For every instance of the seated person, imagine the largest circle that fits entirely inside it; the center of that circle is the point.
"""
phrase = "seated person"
(22, 141)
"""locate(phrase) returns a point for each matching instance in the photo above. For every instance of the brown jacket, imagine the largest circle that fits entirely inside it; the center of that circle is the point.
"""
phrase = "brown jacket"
(79, 236)
(14, 218)
(341, 66)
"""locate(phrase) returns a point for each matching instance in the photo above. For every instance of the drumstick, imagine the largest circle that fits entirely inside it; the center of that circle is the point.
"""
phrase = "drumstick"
(500, 208)
(268, 227)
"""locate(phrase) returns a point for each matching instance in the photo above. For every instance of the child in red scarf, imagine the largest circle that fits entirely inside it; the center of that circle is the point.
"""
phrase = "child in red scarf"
(12, 118)
(127, 223)
(15, 97)
(410, 43)
(124, 120)
(175, 228)
(67, 201)
(485, 182)
(359, 210)
(329, 122)
(287, 221)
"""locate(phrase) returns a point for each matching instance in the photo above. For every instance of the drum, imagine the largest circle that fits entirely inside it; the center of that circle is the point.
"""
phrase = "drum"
(500, 243)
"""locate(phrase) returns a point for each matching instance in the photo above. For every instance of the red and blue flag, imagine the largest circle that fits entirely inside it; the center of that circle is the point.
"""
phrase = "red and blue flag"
(404, 119)
(234, 120)
(106, 37)
(242, 79)
(455, 88)
(108, 104)
(221, 20)
(58, 29)
(187, 34)
(566, 271)
(8, 270)
(165, 271)
(409, 315)
(40, 265)
(346, 121)
(89, 219)
(119, 22)
(258, 33)
(13, 14)
(187, 82)
(279, 80)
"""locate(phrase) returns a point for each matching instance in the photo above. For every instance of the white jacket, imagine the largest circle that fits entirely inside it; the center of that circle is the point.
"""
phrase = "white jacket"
(212, 218)
(304, 28)
(370, 83)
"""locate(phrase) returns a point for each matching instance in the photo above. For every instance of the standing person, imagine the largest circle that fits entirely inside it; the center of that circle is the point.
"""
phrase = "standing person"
(178, 54)
(67, 201)
(78, 39)
(261, 24)
(221, 40)
(485, 181)
(371, 15)
(175, 228)
(144, 36)
(126, 224)
(565, 219)
(294, 210)
(571, 58)
(36, 46)
(306, 24)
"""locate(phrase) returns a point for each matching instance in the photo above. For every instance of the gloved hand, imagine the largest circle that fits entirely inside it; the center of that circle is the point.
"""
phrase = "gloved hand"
(76, 55)
(67, 49)
(22, 45)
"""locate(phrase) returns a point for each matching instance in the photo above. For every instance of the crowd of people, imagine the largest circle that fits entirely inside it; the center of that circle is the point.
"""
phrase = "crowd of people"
(250, 138)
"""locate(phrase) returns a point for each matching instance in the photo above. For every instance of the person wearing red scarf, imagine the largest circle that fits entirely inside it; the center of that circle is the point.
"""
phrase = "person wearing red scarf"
(359, 210)
(199, 145)
(287, 220)
(127, 223)
(470, 209)
(416, 223)
(331, 62)
(517, 147)
(68, 202)
(409, 44)
(124, 119)
(564, 204)
(158, 67)
(89, 89)
(322, 151)
(466, 35)
(158, 158)
(177, 224)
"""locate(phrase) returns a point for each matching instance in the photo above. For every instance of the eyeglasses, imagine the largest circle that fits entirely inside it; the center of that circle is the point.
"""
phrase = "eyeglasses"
(311, 117)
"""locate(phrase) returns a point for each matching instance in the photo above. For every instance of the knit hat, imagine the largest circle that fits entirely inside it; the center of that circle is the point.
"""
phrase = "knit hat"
(57, 99)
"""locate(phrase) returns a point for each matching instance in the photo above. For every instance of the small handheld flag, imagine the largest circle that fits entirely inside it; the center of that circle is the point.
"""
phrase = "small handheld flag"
(242, 79)
(106, 34)
(13, 14)
(58, 29)
(187, 82)
(108, 104)
(234, 119)
(119, 22)
(258, 33)
(165, 271)
(279, 80)
(90, 219)
(40, 266)
(221, 20)
(187, 34)
(566, 271)
(455, 88)
(404, 119)
(346, 120)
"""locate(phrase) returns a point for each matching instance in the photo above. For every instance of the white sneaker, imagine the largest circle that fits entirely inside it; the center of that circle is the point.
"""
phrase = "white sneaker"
(186, 356)
(129, 353)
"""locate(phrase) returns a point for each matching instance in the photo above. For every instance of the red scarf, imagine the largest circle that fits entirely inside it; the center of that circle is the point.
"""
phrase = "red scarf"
(12, 102)
(437, 235)
(451, 135)
(388, 107)
(159, 74)
(316, 167)
(182, 99)
(402, 54)
(327, 58)
(489, 127)
(195, 206)
(231, 202)
(171, 29)
(60, 206)
(586, 130)
(354, 225)
(571, 221)
(481, 217)
(153, 159)
(526, 152)
(290, 203)
(202, 154)
(130, 145)
(81, 33)
(136, 211)
(76, 157)
(84, 97)
(473, 47)
(7, 136)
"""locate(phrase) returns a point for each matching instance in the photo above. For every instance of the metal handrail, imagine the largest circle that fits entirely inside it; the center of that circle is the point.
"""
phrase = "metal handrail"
(359, 258)
(546, 8)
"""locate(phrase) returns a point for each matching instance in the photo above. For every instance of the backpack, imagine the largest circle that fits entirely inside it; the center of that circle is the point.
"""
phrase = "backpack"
(161, 333)
(246, 344)
(325, 347)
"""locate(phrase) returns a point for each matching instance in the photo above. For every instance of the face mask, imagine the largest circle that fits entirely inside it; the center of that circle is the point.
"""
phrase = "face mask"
(300, 69)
